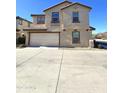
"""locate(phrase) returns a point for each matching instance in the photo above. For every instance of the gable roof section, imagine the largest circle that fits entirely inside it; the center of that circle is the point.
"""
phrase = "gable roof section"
(77, 4)
(18, 17)
(37, 14)
(58, 5)
(92, 28)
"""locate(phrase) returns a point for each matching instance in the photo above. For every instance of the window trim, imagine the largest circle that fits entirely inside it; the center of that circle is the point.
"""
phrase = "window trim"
(58, 18)
(73, 37)
(40, 22)
(78, 21)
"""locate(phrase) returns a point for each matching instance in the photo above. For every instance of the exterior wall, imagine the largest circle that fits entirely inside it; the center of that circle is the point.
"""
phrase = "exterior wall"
(66, 38)
(21, 27)
(48, 14)
(66, 18)
(27, 38)
(24, 24)
(83, 17)
(35, 25)
(34, 18)
(41, 26)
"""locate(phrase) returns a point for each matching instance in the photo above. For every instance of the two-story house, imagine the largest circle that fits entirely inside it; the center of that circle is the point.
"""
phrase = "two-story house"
(21, 23)
(64, 24)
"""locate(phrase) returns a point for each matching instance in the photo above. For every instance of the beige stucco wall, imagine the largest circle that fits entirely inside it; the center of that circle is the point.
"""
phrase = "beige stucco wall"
(66, 38)
(48, 15)
(66, 17)
(40, 26)
(66, 21)
(83, 17)
(24, 24)
(27, 38)
(34, 18)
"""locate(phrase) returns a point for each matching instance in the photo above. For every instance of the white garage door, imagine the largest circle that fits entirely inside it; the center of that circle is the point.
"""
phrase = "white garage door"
(44, 39)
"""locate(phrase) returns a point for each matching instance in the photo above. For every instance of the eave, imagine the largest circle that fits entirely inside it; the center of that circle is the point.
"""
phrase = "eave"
(77, 4)
(37, 14)
(57, 5)
(92, 28)
(35, 29)
(18, 17)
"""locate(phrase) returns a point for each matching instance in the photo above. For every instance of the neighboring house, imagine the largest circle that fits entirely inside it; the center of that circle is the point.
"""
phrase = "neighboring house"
(64, 24)
(21, 23)
(101, 36)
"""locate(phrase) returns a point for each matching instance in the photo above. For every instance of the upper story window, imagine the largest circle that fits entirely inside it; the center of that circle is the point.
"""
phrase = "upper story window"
(75, 17)
(40, 19)
(55, 17)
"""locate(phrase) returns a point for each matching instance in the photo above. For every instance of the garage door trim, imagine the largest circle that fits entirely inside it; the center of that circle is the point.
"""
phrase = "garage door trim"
(42, 32)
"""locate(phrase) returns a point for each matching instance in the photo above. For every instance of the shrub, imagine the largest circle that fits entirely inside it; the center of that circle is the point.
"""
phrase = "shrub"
(21, 40)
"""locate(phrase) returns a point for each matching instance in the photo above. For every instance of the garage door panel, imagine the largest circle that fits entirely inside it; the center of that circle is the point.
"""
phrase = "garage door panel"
(44, 39)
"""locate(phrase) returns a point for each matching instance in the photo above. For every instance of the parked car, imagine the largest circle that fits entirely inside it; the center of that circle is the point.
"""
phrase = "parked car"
(98, 43)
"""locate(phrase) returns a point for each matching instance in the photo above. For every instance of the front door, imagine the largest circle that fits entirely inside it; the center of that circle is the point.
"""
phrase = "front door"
(75, 37)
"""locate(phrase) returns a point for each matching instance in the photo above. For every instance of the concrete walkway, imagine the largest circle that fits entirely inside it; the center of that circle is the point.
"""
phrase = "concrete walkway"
(53, 70)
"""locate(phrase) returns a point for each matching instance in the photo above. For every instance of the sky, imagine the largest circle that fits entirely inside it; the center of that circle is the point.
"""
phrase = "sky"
(97, 16)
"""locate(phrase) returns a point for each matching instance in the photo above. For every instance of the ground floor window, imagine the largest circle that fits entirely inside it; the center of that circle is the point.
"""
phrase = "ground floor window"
(76, 37)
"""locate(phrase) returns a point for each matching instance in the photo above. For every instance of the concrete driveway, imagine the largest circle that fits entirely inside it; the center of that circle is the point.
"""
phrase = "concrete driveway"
(53, 70)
